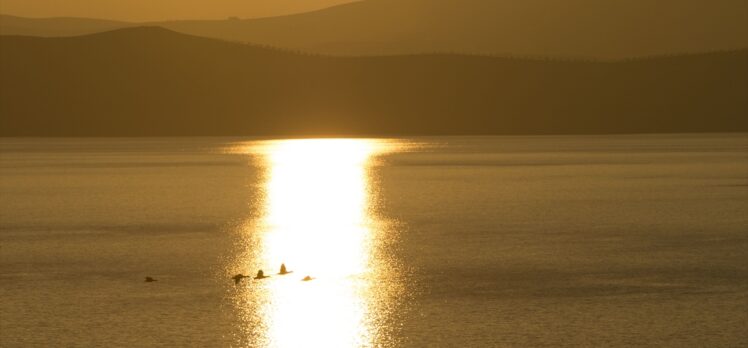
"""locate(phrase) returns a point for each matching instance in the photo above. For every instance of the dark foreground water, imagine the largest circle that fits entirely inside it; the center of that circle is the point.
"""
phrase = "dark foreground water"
(480, 241)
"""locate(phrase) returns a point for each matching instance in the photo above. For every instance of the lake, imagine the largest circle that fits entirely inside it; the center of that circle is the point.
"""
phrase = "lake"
(629, 240)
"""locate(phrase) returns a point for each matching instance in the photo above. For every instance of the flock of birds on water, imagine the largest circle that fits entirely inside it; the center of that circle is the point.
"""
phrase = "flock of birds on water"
(239, 277)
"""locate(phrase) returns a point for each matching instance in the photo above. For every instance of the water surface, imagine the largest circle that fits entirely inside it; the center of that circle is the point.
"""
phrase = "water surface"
(453, 241)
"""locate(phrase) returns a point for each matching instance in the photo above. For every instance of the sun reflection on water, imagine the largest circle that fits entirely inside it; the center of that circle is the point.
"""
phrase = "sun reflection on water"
(317, 221)
(316, 206)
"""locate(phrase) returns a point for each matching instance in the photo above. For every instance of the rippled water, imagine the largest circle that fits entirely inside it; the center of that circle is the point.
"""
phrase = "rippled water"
(452, 241)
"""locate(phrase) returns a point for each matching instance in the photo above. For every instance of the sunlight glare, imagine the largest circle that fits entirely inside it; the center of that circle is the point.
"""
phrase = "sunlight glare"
(317, 222)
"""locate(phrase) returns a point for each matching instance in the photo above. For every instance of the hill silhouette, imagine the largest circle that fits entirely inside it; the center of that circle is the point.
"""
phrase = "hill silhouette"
(13, 25)
(154, 10)
(610, 29)
(150, 81)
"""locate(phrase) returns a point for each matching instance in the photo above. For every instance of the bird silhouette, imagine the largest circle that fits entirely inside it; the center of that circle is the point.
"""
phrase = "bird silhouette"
(283, 270)
(238, 278)
(261, 275)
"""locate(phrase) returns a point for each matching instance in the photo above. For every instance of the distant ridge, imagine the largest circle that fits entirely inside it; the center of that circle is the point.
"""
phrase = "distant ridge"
(589, 29)
(149, 81)
(60, 26)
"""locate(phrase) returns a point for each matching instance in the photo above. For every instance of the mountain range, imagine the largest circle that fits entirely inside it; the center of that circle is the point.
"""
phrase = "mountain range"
(581, 29)
(152, 81)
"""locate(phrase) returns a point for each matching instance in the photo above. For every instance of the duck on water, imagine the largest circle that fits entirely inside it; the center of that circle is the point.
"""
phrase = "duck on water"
(283, 270)
(238, 278)
(261, 275)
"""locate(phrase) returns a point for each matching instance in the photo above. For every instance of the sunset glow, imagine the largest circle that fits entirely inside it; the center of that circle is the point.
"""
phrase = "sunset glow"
(316, 221)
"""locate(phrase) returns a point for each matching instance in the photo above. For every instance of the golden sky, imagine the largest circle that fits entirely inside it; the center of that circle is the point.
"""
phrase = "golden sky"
(156, 10)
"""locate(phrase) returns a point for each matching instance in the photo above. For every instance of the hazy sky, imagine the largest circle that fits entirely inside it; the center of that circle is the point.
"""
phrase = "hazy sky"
(154, 10)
